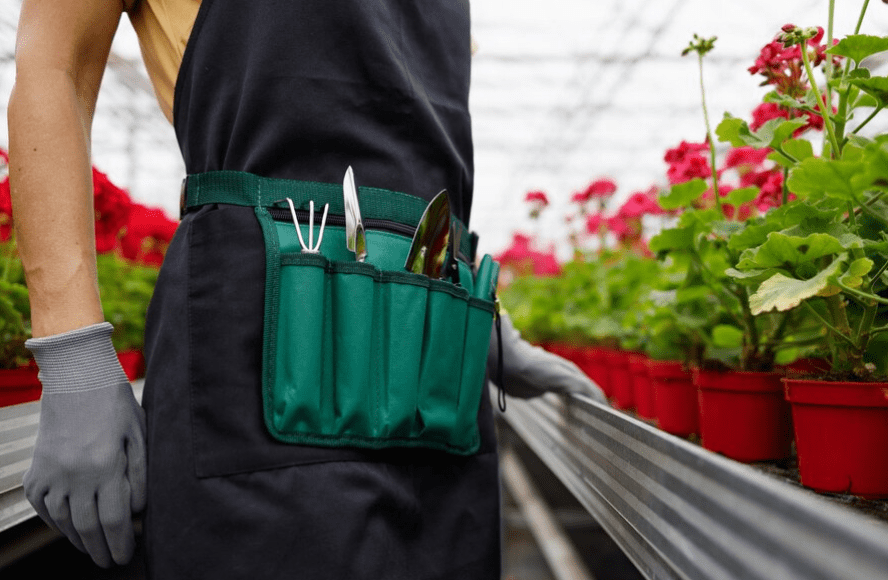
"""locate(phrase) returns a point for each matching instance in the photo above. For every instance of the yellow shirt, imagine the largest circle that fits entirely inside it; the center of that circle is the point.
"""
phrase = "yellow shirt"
(163, 28)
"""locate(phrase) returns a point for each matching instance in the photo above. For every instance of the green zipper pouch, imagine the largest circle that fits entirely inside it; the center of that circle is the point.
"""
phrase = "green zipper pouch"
(366, 354)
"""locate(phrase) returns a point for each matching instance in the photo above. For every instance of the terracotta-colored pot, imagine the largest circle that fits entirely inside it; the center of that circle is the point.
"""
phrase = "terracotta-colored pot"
(133, 363)
(19, 385)
(841, 430)
(675, 397)
(744, 415)
(620, 379)
(641, 386)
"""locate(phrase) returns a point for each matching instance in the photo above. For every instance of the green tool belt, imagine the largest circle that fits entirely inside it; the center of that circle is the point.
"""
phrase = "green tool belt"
(361, 354)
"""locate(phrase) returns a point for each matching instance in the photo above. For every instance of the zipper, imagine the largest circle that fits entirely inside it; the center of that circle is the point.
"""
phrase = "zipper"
(282, 214)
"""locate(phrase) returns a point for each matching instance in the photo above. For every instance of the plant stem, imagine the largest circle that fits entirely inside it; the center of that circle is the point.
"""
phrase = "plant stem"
(709, 135)
(828, 69)
(784, 198)
(825, 107)
(863, 295)
(877, 275)
(859, 19)
(868, 119)
(828, 324)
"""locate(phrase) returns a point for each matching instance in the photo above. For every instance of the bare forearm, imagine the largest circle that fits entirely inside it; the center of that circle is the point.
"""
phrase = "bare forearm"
(61, 50)
(51, 179)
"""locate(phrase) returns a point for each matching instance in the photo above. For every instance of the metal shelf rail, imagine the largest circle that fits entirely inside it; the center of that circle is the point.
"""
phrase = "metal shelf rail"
(678, 511)
(681, 512)
(18, 432)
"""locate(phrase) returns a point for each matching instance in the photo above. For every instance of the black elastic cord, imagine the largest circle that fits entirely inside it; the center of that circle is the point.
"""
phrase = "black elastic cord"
(501, 394)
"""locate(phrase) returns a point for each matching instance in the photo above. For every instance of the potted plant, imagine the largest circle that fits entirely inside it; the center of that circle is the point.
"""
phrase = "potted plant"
(742, 411)
(824, 256)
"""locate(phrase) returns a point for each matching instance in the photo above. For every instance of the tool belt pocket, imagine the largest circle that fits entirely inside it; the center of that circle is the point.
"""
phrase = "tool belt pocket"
(355, 355)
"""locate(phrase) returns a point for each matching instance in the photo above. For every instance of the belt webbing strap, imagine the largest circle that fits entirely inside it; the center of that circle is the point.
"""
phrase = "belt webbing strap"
(248, 189)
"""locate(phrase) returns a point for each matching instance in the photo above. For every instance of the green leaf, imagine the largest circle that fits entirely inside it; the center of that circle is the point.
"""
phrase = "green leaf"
(876, 87)
(800, 149)
(683, 194)
(853, 277)
(783, 293)
(740, 196)
(727, 336)
(733, 130)
(859, 46)
(692, 294)
(782, 251)
(752, 277)
(817, 176)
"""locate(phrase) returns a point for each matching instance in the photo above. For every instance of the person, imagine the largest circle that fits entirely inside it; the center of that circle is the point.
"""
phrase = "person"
(292, 91)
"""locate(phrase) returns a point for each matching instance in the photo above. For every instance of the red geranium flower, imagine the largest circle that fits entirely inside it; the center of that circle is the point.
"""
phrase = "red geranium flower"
(601, 188)
(536, 197)
(148, 233)
(5, 209)
(520, 255)
(639, 204)
(594, 223)
(684, 149)
(112, 206)
(746, 158)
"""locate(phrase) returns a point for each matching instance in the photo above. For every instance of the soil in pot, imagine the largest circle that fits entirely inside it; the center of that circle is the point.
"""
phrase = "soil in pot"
(743, 414)
(841, 430)
(675, 397)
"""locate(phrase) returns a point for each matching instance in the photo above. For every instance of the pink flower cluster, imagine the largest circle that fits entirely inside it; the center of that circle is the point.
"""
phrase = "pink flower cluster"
(600, 189)
(687, 162)
(782, 66)
(626, 224)
(538, 201)
(523, 258)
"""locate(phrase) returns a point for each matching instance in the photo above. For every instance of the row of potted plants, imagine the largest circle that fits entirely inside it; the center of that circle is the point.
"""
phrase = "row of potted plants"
(131, 240)
(768, 250)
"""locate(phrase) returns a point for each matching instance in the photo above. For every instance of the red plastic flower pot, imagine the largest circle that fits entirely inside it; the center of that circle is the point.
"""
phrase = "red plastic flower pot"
(133, 363)
(19, 386)
(595, 365)
(620, 379)
(641, 386)
(744, 415)
(675, 397)
(840, 431)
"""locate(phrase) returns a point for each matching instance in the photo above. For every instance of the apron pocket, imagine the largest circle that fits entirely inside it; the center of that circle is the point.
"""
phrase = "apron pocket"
(355, 356)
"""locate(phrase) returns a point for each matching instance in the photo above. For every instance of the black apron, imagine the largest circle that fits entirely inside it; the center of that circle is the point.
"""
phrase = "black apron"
(301, 90)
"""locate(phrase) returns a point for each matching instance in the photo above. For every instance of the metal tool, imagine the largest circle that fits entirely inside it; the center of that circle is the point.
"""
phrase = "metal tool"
(429, 246)
(451, 269)
(311, 248)
(355, 237)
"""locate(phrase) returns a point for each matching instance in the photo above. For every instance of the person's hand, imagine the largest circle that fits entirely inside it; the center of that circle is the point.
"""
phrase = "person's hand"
(87, 476)
(529, 371)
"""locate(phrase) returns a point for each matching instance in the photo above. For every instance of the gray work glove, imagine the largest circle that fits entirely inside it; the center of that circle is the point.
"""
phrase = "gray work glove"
(88, 473)
(529, 371)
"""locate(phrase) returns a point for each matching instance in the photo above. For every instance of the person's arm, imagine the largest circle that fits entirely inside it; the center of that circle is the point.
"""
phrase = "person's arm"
(530, 371)
(61, 51)
(87, 475)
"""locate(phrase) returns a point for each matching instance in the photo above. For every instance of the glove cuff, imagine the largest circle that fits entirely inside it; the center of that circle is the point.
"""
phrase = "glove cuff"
(77, 360)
